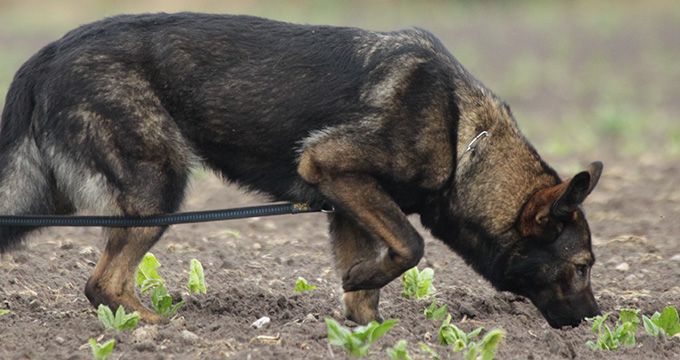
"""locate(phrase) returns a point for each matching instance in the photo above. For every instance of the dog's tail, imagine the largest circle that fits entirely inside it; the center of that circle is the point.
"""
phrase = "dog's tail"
(24, 179)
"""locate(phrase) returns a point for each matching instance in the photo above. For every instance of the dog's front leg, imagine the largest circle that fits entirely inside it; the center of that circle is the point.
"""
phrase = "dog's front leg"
(361, 199)
(352, 244)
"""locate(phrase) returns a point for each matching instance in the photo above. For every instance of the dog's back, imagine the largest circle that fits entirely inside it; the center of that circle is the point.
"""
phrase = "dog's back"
(239, 92)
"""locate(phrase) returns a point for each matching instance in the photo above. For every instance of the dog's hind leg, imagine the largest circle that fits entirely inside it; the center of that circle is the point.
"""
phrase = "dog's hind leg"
(117, 151)
(352, 244)
(146, 187)
(113, 280)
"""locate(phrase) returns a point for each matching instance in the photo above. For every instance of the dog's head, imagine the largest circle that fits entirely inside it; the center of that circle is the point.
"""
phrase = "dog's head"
(551, 264)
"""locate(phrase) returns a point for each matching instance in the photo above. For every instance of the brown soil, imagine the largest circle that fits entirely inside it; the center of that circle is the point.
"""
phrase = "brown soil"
(633, 216)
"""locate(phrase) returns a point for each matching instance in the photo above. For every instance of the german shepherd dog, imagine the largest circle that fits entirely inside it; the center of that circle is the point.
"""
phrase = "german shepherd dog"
(110, 118)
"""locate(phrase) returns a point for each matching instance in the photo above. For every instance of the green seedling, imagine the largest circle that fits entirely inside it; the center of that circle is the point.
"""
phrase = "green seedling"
(147, 274)
(120, 321)
(417, 284)
(357, 342)
(148, 279)
(450, 335)
(162, 302)
(196, 282)
(485, 349)
(102, 351)
(433, 312)
(399, 351)
(623, 334)
(429, 351)
(665, 323)
(301, 285)
(4, 312)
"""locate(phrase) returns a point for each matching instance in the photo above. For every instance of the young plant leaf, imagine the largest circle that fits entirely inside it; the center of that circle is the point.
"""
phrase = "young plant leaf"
(4, 312)
(196, 282)
(668, 321)
(429, 351)
(650, 327)
(399, 351)
(598, 321)
(120, 321)
(378, 330)
(629, 316)
(357, 342)
(433, 312)
(337, 334)
(162, 302)
(123, 321)
(474, 333)
(472, 353)
(147, 273)
(425, 287)
(301, 285)
(417, 284)
(105, 316)
(102, 351)
(490, 342)
(623, 334)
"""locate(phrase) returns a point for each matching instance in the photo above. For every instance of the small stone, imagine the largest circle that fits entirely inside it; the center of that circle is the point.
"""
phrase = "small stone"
(189, 337)
(86, 250)
(146, 346)
(675, 258)
(623, 267)
(34, 304)
(145, 334)
(59, 340)
(614, 260)
(178, 322)
(467, 310)
(261, 322)
(66, 245)
(310, 318)
(257, 246)
(266, 340)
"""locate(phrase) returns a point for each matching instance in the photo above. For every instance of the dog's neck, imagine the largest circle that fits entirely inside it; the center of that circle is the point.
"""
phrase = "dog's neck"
(494, 176)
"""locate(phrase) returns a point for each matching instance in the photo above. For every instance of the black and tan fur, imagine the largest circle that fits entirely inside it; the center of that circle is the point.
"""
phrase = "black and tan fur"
(110, 118)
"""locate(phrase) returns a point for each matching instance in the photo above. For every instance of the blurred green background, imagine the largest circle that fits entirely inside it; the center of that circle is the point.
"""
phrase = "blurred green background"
(585, 79)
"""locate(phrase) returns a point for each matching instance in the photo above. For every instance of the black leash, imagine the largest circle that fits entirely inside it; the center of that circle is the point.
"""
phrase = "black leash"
(160, 219)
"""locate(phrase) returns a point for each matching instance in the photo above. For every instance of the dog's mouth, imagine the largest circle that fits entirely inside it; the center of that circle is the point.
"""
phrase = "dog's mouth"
(562, 314)
(558, 321)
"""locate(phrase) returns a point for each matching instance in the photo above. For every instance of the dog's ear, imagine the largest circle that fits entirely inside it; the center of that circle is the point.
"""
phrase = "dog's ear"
(580, 186)
(558, 201)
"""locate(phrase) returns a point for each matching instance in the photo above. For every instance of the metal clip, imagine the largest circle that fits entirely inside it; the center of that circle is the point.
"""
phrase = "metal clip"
(471, 145)
(327, 208)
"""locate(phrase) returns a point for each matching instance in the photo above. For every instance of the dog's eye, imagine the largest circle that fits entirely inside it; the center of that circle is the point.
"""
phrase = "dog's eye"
(582, 270)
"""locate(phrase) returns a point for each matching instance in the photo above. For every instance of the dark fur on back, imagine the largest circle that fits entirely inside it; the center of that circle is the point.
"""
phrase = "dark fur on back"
(241, 101)
(110, 118)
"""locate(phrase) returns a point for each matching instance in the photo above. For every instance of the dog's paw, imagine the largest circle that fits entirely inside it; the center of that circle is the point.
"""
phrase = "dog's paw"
(365, 276)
